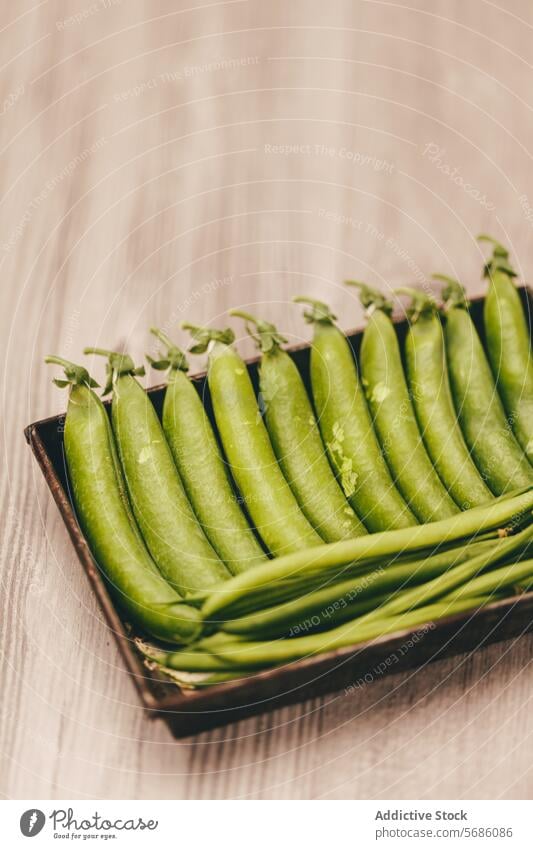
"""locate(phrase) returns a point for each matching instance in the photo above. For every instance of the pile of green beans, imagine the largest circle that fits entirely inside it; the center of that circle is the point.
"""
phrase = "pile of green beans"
(397, 491)
(164, 515)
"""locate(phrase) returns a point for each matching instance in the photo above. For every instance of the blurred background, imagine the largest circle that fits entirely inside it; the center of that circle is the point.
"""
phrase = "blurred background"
(167, 161)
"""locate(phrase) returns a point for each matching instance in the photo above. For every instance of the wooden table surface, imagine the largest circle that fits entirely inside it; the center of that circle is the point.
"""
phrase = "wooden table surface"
(168, 161)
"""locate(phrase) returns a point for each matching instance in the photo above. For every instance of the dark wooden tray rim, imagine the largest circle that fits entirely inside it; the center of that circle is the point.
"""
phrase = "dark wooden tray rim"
(190, 711)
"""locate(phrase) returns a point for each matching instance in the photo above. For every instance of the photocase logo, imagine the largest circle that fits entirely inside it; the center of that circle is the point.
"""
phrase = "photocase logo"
(32, 822)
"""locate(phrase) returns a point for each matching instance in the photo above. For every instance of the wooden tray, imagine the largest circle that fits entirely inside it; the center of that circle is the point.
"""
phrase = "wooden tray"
(190, 711)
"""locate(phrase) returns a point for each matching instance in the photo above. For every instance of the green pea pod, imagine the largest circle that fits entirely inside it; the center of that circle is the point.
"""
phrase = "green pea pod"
(296, 439)
(249, 655)
(204, 474)
(269, 500)
(346, 426)
(429, 387)
(498, 456)
(394, 416)
(169, 527)
(509, 346)
(105, 517)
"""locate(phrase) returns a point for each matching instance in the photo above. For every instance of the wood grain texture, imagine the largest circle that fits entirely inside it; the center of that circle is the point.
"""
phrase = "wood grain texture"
(169, 161)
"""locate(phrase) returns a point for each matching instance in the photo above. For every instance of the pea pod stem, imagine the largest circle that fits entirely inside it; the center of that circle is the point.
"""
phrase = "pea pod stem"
(173, 360)
(264, 333)
(371, 298)
(493, 582)
(75, 375)
(317, 312)
(326, 559)
(163, 337)
(296, 589)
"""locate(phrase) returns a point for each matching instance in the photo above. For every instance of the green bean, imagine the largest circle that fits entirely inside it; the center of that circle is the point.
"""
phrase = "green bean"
(324, 560)
(497, 454)
(296, 440)
(269, 500)
(301, 584)
(346, 426)
(105, 517)
(339, 600)
(169, 527)
(199, 461)
(454, 577)
(429, 387)
(492, 582)
(393, 414)
(509, 346)
(250, 655)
